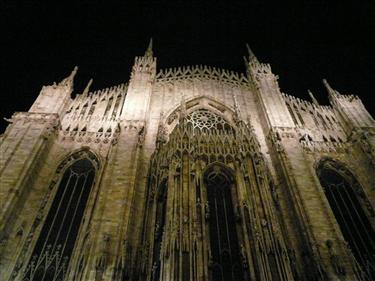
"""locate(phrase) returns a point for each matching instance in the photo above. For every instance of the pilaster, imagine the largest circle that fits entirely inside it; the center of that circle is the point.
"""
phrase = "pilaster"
(126, 177)
(357, 122)
(140, 87)
(54, 98)
(25, 144)
(25, 141)
(266, 87)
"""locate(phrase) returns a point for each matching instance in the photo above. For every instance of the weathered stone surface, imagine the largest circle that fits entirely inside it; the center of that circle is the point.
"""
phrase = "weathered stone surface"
(158, 139)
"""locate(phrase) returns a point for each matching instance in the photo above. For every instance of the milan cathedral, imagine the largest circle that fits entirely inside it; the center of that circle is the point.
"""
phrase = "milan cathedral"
(189, 173)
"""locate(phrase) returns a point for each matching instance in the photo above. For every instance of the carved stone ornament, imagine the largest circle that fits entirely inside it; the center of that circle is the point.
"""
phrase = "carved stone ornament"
(336, 261)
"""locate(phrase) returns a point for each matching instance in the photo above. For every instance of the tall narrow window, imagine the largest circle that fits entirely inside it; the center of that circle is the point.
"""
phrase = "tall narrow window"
(340, 188)
(226, 262)
(292, 113)
(108, 107)
(84, 108)
(115, 109)
(322, 121)
(92, 108)
(314, 118)
(299, 116)
(329, 121)
(54, 247)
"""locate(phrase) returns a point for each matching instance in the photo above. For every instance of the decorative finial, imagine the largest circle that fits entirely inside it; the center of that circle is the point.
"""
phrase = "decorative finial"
(331, 92)
(86, 90)
(74, 71)
(236, 107)
(328, 87)
(149, 52)
(69, 79)
(313, 98)
(237, 113)
(251, 53)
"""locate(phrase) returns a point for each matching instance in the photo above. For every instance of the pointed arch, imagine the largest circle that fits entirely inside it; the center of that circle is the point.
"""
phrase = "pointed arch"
(345, 197)
(196, 103)
(207, 175)
(75, 177)
(224, 240)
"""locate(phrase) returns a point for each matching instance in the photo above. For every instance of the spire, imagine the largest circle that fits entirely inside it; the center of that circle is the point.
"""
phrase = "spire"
(251, 54)
(313, 98)
(149, 52)
(86, 90)
(328, 87)
(69, 80)
(331, 92)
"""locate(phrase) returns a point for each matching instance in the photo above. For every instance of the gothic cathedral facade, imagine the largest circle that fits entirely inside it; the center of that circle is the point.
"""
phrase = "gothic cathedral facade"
(191, 173)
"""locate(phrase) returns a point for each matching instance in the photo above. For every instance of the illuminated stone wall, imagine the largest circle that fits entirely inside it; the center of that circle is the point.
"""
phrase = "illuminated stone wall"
(127, 126)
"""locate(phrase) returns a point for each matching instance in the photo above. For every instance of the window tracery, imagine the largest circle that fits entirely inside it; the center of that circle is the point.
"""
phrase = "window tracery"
(55, 244)
(341, 189)
(200, 214)
(204, 119)
(226, 261)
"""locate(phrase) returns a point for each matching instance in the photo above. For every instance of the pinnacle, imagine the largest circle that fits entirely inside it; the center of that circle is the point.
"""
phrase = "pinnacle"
(149, 52)
(69, 79)
(326, 84)
(314, 100)
(250, 52)
(86, 90)
(331, 92)
(73, 73)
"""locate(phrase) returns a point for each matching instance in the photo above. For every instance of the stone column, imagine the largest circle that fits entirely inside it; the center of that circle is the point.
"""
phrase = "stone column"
(113, 217)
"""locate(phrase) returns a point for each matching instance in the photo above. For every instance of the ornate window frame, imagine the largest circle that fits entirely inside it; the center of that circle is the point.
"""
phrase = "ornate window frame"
(24, 256)
(344, 172)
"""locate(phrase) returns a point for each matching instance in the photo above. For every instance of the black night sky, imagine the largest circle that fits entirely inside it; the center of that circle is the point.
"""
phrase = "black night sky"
(303, 43)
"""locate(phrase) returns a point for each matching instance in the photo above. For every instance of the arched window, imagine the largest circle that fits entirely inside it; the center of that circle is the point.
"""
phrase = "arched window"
(54, 247)
(341, 189)
(226, 261)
